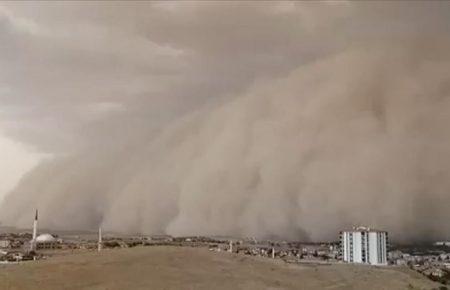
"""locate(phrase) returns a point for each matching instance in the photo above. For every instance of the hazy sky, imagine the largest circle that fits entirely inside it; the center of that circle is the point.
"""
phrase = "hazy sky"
(16, 160)
(249, 118)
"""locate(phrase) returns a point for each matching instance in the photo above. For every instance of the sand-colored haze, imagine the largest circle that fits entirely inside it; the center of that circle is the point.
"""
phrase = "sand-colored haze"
(271, 120)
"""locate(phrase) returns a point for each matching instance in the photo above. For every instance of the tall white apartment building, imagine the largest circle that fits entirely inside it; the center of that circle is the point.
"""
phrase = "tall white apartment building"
(364, 245)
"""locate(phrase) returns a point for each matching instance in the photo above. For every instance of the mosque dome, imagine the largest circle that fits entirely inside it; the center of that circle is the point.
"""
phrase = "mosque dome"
(45, 238)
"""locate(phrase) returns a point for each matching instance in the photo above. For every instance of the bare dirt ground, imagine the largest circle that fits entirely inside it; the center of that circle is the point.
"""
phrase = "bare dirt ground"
(195, 268)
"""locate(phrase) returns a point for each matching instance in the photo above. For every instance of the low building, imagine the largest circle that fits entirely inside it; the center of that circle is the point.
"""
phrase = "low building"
(442, 243)
(5, 243)
(364, 245)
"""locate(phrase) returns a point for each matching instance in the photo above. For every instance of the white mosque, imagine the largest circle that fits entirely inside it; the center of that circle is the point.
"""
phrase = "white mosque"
(43, 241)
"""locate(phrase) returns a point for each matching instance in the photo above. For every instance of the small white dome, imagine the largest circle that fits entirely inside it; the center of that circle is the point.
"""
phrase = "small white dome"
(45, 238)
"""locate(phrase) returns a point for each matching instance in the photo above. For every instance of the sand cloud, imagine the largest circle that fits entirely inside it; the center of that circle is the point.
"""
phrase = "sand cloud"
(257, 119)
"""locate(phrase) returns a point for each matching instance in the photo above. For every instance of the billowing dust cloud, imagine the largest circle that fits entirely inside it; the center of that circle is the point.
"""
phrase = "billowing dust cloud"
(278, 120)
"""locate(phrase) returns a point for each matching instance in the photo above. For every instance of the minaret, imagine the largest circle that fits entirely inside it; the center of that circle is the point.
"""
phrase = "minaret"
(35, 225)
(231, 246)
(99, 239)
(273, 253)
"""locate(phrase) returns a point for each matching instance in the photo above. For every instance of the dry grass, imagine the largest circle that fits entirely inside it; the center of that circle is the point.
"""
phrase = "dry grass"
(193, 268)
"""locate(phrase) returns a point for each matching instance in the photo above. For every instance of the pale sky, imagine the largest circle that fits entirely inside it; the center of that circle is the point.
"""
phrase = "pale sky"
(16, 160)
